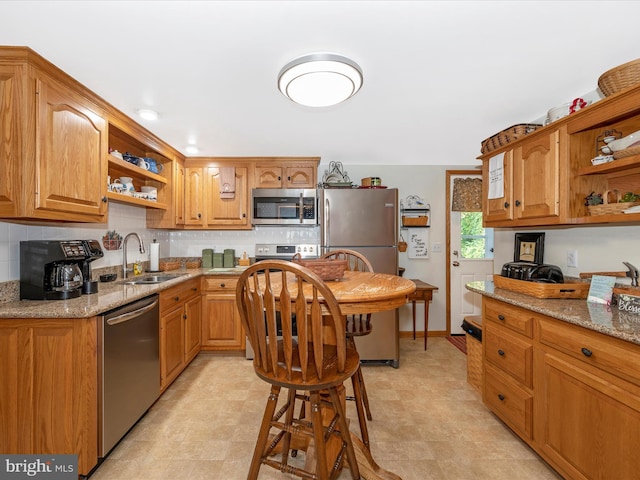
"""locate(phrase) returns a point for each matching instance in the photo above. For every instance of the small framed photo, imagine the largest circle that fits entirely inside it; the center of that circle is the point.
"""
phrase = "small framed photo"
(529, 247)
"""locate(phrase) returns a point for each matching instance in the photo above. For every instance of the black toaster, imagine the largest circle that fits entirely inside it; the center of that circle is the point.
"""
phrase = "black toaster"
(532, 272)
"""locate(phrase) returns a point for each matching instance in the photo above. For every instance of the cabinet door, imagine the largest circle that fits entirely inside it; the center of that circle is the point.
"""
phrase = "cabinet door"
(268, 177)
(536, 172)
(48, 393)
(193, 196)
(589, 420)
(221, 324)
(227, 211)
(192, 328)
(11, 153)
(172, 341)
(179, 193)
(499, 209)
(300, 176)
(71, 155)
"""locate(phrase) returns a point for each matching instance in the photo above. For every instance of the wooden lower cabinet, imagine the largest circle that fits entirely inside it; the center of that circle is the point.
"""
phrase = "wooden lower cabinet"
(221, 324)
(582, 413)
(48, 392)
(180, 318)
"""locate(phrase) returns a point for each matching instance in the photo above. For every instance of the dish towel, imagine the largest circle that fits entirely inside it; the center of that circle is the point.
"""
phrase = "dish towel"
(227, 182)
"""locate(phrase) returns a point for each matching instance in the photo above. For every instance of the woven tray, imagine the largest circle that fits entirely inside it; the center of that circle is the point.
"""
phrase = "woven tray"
(543, 290)
(608, 208)
(507, 136)
(627, 152)
(621, 77)
(326, 268)
(415, 221)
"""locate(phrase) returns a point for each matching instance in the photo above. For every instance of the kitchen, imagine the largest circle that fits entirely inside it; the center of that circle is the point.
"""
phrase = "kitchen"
(418, 178)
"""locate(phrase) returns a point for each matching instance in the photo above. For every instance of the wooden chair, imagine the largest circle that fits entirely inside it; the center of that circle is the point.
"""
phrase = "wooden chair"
(356, 325)
(317, 364)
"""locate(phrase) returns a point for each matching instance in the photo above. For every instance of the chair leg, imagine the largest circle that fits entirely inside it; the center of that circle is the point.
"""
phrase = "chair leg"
(363, 389)
(287, 436)
(263, 434)
(357, 393)
(318, 435)
(345, 433)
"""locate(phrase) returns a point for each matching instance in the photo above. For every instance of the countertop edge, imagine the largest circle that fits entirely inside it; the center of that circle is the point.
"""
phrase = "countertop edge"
(601, 318)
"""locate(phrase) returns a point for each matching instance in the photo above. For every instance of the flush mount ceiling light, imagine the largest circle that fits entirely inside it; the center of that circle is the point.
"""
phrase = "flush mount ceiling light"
(320, 79)
(191, 149)
(147, 114)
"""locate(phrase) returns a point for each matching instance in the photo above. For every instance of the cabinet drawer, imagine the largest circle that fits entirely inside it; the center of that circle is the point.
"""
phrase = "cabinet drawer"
(226, 284)
(509, 352)
(610, 354)
(177, 295)
(512, 404)
(515, 318)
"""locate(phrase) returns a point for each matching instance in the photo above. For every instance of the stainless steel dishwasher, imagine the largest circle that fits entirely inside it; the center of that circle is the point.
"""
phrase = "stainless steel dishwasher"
(129, 368)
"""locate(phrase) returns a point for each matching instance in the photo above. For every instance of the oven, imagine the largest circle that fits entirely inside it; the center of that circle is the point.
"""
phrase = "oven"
(267, 251)
(275, 206)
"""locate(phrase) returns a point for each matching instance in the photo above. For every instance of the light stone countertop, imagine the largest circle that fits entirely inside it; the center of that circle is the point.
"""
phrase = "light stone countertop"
(594, 316)
(110, 295)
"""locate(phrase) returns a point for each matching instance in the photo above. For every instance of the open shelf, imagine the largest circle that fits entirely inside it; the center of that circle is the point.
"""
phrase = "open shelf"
(612, 167)
(134, 170)
(119, 197)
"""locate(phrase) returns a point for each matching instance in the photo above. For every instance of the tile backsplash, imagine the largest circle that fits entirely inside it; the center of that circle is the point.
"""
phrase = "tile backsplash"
(125, 219)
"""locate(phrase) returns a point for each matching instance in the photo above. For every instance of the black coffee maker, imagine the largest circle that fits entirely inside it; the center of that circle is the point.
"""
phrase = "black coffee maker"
(57, 269)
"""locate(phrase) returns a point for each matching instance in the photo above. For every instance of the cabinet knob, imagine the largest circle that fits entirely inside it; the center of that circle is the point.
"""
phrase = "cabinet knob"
(288, 179)
(500, 317)
(199, 215)
(177, 299)
(506, 204)
(501, 352)
(501, 397)
(195, 289)
(586, 352)
(222, 285)
(244, 215)
(517, 203)
(184, 316)
(105, 199)
(279, 178)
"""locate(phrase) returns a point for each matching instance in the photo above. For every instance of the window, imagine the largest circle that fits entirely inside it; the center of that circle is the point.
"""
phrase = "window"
(476, 242)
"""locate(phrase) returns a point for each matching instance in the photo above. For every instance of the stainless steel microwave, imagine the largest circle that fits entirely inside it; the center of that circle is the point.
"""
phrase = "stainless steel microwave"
(275, 206)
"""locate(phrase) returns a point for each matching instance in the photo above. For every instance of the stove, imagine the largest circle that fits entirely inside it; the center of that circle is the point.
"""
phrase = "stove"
(269, 251)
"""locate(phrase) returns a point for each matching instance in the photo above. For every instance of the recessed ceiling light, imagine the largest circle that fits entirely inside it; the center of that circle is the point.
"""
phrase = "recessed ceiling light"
(192, 149)
(148, 114)
(320, 79)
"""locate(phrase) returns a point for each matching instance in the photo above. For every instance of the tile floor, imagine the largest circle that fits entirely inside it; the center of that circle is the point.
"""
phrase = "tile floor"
(428, 423)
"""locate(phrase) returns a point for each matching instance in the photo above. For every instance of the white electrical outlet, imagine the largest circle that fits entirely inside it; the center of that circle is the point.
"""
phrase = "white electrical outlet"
(572, 258)
(436, 247)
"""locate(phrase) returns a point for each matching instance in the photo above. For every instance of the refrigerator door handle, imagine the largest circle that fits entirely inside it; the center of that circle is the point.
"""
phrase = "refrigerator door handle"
(301, 207)
(326, 229)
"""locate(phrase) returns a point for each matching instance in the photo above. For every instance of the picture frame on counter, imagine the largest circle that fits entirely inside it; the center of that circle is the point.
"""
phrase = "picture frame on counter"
(529, 247)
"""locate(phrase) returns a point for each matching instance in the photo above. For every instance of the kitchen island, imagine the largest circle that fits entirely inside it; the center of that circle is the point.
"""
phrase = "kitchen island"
(564, 375)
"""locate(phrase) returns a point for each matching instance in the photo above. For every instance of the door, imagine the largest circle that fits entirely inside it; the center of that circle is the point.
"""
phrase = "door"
(470, 258)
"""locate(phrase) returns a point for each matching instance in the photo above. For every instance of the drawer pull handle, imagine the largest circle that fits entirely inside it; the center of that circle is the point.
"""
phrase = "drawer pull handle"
(586, 352)
(500, 317)
(195, 289)
(222, 285)
(501, 397)
(177, 299)
(501, 353)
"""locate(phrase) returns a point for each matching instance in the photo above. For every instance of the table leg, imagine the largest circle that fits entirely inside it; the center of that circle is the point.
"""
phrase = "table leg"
(413, 304)
(426, 322)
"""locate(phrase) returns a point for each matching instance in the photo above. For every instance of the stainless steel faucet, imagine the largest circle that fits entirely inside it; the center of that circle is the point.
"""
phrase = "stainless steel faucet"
(125, 270)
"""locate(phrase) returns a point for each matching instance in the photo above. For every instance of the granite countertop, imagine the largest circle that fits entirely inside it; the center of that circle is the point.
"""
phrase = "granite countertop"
(594, 316)
(110, 295)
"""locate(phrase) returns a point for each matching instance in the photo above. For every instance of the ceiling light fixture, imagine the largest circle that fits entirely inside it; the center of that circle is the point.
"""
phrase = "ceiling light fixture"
(320, 79)
(192, 149)
(148, 114)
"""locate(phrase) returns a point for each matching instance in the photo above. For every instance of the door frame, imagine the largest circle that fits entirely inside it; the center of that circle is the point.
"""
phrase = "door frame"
(449, 174)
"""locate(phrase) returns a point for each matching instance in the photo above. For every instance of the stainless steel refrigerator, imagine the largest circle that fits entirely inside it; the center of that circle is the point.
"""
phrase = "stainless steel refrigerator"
(366, 220)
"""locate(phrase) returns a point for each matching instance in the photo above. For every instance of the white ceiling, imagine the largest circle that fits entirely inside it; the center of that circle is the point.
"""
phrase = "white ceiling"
(439, 76)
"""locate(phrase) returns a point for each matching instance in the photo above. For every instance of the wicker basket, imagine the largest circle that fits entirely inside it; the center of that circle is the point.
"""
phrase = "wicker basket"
(621, 77)
(607, 208)
(543, 290)
(326, 268)
(164, 265)
(507, 136)
(415, 221)
(627, 152)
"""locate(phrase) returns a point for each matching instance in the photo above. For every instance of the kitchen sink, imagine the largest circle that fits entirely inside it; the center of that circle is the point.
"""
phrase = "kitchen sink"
(151, 279)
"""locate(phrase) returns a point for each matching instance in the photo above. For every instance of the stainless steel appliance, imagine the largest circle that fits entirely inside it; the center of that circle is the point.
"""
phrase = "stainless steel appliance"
(128, 368)
(269, 251)
(57, 269)
(366, 220)
(284, 206)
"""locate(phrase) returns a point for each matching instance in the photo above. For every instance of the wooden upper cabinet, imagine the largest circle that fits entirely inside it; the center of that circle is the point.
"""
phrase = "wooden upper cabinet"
(54, 143)
(281, 173)
(194, 213)
(71, 148)
(532, 175)
(227, 212)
